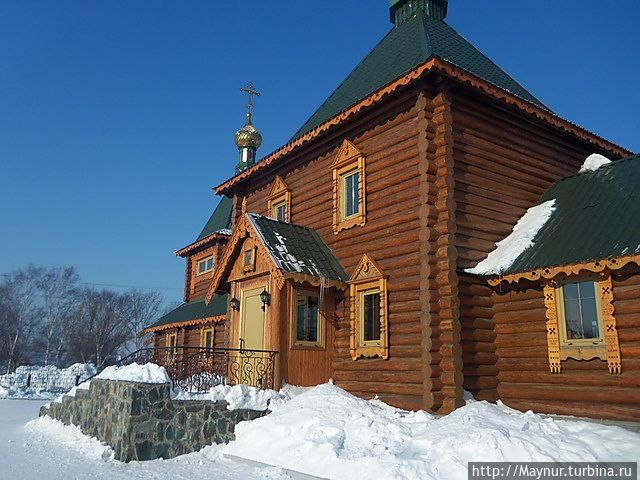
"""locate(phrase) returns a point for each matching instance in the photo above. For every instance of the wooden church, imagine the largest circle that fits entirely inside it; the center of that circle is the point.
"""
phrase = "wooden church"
(350, 251)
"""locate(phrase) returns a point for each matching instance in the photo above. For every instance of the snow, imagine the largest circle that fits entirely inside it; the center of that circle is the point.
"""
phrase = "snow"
(329, 433)
(46, 382)
(224, 231)
(47, 449)
(594, 162)
(243, 396)
(520, 239)
(147, 373)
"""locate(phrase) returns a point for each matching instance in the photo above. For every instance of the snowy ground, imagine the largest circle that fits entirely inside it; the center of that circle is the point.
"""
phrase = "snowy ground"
(322, 431)
(47, 450)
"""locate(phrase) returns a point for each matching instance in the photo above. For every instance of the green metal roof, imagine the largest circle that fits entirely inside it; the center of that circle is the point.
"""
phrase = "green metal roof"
(297, 249)
(194, 310)
(597, 216)
(220, 220)
(405, 47)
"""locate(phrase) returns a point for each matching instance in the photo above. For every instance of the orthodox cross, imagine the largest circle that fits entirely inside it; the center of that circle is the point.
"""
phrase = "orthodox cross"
(250, 90)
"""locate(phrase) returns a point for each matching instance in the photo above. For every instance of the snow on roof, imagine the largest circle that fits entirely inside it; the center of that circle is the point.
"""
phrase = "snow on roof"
(520, 239)
(147, 373)
(594, 162)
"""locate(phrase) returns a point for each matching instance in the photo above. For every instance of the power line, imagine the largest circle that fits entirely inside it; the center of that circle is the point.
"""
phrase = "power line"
(115, 285)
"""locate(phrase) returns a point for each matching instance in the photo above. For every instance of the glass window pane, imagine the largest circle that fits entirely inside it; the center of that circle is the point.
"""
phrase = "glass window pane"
(589, 311)
(281, 213)
(371, 313)
(352, 194)
(201, 267)
(307, 318)
(570, 291)
(247, 258)
(210, 264)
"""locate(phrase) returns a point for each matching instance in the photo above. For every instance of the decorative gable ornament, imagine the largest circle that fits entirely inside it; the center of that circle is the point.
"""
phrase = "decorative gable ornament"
(347, 152)
(280, 194)
(348, 161)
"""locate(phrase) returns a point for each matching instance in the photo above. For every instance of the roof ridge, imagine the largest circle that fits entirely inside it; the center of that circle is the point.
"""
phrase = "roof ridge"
(612, 163)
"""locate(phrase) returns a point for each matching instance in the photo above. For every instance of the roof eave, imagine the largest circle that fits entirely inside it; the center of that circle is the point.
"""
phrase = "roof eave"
(433, 64)
(200, 243)
(576, 268)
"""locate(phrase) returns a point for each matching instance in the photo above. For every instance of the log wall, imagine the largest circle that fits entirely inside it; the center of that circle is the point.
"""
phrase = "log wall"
(388, 138)
(503, 163)
(584, 388)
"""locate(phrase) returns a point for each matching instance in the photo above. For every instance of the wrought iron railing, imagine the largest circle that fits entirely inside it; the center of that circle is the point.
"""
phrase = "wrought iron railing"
(198, 369)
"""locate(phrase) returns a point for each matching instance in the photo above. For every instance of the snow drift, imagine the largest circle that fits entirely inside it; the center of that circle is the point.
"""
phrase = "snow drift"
(329, 433)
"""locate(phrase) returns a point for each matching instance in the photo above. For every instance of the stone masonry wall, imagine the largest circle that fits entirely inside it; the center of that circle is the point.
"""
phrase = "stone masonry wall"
(141, 422)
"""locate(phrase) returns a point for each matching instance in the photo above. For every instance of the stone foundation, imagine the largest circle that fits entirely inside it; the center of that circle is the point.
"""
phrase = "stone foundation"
(141, 422)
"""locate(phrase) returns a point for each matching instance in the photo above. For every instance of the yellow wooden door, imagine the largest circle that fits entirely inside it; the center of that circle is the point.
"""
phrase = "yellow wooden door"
(251, 338)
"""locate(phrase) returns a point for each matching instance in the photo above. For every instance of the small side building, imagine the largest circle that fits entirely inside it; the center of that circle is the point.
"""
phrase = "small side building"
(567, 309)
(195, 323)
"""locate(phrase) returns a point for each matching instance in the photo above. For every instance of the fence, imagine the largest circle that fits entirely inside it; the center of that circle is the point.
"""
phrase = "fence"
(198, 369)
(50, 379)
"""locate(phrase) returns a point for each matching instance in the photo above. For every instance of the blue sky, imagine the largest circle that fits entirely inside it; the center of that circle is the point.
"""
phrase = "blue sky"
(117, 118)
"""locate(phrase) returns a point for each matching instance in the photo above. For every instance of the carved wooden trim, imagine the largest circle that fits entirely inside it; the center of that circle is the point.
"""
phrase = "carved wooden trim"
(186, 323)
(608, 350)
(203, 332)
(553, 335)
(450, 70)
(200, 243)
(610, 326)
(548, 273)
(244, 229)
(349, 158)
(368, 276)
(279, 193)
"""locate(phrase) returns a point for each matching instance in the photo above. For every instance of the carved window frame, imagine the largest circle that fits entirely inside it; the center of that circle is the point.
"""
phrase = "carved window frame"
(248, 247)
(348, 160)
(280, 194)
(204, 260)
(368, 277)
(560, 349)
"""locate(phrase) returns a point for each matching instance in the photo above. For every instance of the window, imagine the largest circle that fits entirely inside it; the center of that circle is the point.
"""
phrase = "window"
(280, 212)
(369, 323)
(206, 340)
(248, 256)
(308, 329)
(349, 205)
(280, 201)
(370, 311)
(205, 265)
(351, 194)
(172, 342)
(580, 322)
(580, 313)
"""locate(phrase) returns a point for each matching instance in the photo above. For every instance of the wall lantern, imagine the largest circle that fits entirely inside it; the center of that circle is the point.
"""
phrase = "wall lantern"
(266, 299)
(235, 304)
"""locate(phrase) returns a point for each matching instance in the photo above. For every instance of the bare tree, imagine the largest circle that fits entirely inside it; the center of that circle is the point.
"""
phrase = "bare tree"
(144, 309)
(101, 326)
(19, 298)
(57, 288)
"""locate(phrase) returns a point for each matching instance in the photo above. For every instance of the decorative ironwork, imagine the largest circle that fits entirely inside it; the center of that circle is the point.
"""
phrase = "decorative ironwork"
(195, 369)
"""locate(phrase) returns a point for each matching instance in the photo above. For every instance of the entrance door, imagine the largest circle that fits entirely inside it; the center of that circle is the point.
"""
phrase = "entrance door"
(251, 364)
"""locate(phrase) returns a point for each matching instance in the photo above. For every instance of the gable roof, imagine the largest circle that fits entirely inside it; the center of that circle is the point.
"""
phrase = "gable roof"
(596, 217)
(406, 46)
(220, 220)
(192, 313)
(296, 249)
(294, 252)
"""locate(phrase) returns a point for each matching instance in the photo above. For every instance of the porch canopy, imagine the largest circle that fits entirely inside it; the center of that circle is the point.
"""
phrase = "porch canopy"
(293, 252)
(192, 313)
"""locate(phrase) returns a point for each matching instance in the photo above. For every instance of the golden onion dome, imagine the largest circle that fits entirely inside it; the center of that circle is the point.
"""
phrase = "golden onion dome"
(248, 136)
